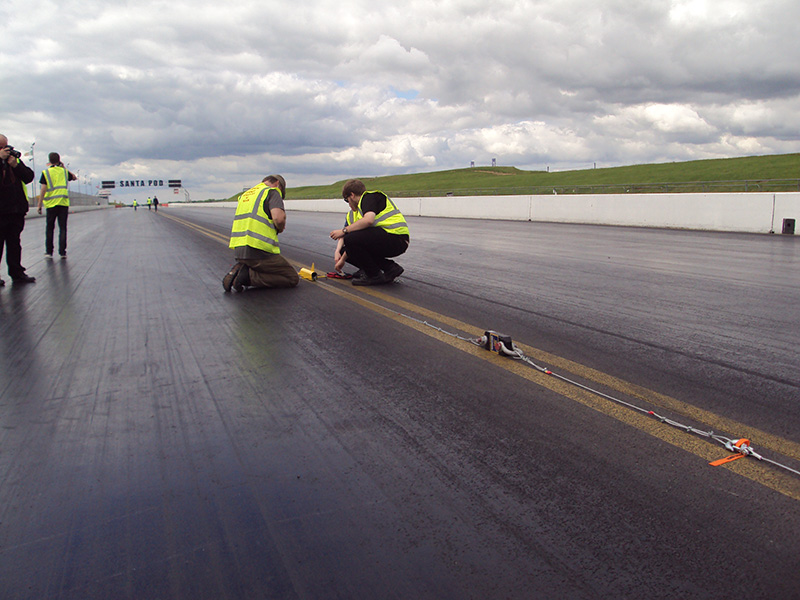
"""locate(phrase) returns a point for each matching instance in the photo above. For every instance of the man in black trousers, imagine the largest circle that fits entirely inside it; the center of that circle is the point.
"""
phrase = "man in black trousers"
(378, 234)
(14, 175)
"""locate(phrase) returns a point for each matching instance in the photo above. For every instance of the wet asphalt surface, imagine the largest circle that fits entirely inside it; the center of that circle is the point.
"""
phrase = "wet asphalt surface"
(162, 439)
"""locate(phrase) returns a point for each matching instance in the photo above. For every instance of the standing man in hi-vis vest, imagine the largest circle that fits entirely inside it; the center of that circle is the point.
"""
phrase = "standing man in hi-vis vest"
(379, 233)
(54, 196)
(260, 217)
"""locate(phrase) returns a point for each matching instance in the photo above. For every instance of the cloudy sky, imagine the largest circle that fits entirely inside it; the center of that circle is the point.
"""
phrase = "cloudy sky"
(220, 94)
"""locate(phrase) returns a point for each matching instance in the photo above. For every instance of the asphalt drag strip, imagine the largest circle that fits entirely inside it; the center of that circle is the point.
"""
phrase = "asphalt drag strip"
(161, 438)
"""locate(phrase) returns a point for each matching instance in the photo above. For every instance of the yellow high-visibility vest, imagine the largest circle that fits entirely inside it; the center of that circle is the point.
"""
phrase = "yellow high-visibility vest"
(57, 193)
(353, 216)
(390, 218)
(252, 225)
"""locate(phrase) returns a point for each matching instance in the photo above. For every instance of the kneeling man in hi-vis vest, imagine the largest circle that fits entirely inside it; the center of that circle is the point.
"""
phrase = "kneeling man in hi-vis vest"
(376, 231)
(260, 217)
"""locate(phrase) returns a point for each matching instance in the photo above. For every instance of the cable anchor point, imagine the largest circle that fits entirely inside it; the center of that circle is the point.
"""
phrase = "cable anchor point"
(740, 448)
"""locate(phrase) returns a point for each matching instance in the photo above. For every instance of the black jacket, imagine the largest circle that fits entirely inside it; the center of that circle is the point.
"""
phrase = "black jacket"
(12, 196)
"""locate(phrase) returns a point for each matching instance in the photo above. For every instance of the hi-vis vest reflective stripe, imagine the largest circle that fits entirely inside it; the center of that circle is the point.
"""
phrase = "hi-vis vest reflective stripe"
(56, 193)
(353, 216)
(251, 225)
(390, 218)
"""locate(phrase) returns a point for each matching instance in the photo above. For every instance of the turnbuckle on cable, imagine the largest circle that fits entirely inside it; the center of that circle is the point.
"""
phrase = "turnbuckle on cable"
(740, 449)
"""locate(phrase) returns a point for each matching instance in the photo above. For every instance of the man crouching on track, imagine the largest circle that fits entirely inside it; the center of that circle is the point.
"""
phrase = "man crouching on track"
(380, 232)
(260, 217)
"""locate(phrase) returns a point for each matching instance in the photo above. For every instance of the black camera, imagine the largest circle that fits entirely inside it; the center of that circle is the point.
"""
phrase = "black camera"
(12, 152)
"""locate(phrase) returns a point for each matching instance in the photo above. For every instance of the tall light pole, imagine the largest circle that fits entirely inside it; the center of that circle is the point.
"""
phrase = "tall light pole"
(33, 168)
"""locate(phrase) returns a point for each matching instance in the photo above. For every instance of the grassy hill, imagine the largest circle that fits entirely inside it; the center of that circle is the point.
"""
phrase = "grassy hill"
(779, 172)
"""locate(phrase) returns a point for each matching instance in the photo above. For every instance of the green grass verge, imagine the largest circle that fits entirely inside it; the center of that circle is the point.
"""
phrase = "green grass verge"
(779, 172)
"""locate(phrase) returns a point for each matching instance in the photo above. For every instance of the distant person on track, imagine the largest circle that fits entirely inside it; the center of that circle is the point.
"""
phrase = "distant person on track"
(14, 174)
(155, 203)
(54, 196)
(378, 233)
(149, 203)
(260, 217)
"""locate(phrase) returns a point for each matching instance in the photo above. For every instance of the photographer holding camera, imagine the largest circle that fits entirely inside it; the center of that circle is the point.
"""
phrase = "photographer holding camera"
(13, 207)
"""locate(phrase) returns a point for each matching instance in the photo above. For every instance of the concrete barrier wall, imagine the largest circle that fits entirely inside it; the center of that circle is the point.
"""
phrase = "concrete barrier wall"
(743, 212)
(78, 199)
(75, 199)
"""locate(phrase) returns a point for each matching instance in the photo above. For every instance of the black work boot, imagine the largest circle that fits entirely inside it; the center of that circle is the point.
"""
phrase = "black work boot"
(242, 279)
(393, 272)
(364, 279)
(227, 281)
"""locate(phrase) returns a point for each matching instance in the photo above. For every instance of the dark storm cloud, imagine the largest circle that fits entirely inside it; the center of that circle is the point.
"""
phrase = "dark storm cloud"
(324, 89)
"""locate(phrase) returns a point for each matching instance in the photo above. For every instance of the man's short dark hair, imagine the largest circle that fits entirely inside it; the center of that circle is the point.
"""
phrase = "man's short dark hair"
(54, 158)
(276, 179)
(353, 186)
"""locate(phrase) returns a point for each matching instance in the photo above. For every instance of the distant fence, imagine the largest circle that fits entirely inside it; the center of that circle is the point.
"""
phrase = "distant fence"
(685, 187)
(78, 199)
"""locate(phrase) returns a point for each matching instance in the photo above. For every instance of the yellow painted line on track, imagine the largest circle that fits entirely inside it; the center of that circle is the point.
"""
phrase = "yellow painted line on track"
(750, 468)
(205, 231)
(705, 449)
(716, 422)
